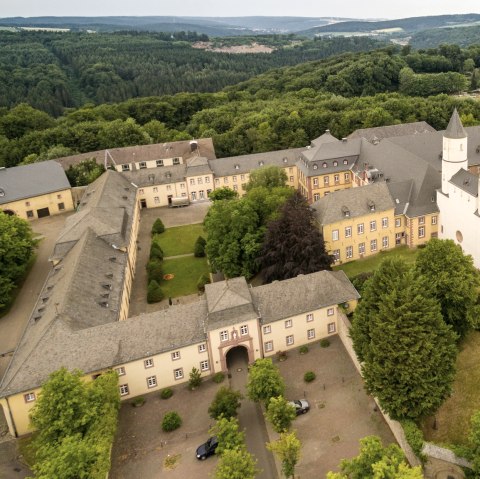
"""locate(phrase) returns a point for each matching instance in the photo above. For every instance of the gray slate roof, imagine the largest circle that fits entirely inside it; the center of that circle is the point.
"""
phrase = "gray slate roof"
(32, 180)
(198, 166)
(357, 201)
(157, 176)
(378, 133)
(327, 137)
(283, 299)
(455, 128)
(466, 181)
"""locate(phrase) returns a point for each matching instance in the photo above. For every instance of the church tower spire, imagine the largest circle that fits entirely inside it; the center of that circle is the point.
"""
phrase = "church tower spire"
(454, 155)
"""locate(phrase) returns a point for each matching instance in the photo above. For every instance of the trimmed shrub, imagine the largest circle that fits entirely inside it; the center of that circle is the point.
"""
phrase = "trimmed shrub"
(414, 437)
(171, 421)
(154, 271)
(195, 378)
(154, 292)
(303, 349)
(201, 240)
(225, 403)
(218, 377)
(202, 281)
(166, 393)
(199, 250)
(158, 227)
(309, 376)
(138, 401)
(156, 253)
(324, 343)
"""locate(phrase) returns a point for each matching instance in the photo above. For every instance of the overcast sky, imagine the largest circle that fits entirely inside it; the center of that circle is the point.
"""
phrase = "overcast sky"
(224, 8)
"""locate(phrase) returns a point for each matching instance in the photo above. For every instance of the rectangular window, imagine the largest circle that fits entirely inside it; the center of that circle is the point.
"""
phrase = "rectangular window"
(120, 371)
(315, 182)
(421, 220)
(184, 194)
(385, 242)
(336, 179)
(398, 222)
(373, 245)
(348, 231)
(225, 180)
(335, 235)
(347, 177)
(178, 373)
(421, 232)
(434, 220)
(291, 179)
(235, 187)
(360, 229)
(192, 181)
(200, 181)
(361, 248)
(175, 355)
(27, 203)
(140, 191)
(288, 323)
(176, 161)
(224, 335)
(204, 365)
(159, 162)
(349, 252)
(148, 363)
(29, 214)
(201, 194)
(268, 346)
(152, 382)
(309, 317)
(330, 311)
(384, 222)
(61, 206)
(156, 199)
(155, 189)
(123, 389)
(311, 334)
(267, 329)
(217, 181)
(242, 177)
(202, 348)
(373, 225)
(126, 167)
(289, 340)
(59, 197)
(234, 179)
(331, 328)
(29, 397)
(169, 187)
(243, 330)
(326, 180)
(142, 165)
(316, 196)
(182, 186)
(336, 254)
(194, 195)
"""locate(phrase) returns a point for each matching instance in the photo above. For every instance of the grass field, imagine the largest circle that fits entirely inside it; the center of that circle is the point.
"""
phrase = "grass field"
(187, 271)
(371, 263)
(179, 239)
(453, 417)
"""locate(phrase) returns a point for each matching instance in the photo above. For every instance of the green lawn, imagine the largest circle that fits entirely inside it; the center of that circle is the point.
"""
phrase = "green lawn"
(179, 239)
(453, 417)
(187, 272)
(372, 262)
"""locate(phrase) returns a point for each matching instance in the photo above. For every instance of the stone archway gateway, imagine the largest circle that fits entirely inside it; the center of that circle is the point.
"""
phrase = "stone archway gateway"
(237, 356)
(9, 212)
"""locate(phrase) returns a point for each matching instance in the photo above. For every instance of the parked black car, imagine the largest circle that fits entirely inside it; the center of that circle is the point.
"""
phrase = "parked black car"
(207, 448)
(301, 406)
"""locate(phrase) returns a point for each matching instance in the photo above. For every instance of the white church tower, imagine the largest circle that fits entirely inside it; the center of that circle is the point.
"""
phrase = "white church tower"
(454, 155)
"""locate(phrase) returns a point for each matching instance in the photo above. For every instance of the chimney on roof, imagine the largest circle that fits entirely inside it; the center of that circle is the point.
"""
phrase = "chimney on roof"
(327, 131)
(344, 140)
(193, 145)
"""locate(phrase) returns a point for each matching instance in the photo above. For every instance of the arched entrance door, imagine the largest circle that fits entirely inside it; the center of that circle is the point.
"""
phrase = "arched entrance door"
(237, 358)
(9, 212)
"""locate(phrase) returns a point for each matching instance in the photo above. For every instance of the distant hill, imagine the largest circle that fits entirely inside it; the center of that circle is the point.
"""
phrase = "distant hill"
(462, 36)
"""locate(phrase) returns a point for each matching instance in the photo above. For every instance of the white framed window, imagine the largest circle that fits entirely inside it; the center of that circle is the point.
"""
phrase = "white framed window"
(268, 346)
(291, 179)
(361, 248)
(123, 389)
(336, 254)
(225, 180)
(421, 220)
(421, 232)
(207, 179)
(140, 191)
(398, 222)
(217, 181)
(324, 165)
(267, 329)
(373, 225)
(347, 175)
(244, 330)
(316, 196)
(148, 363)
(156, 199)
(204, 365)
(385, 222)
(331, 328)
(330, 311)
(152, 382)
(224, 335)
(326, 180)
(334, 235)
(182, 186)
(348, 231)
(315, 182)
(311, 334)
(385, 242)
(192, 181)
(345, 162)
(155, 189)
(200, 181)
(234, 179)
(309, 317)
(242, 177)
(29, 397)
(373, 245)
(202, 348)
(434, 220)
(142, 165)
(159, 163)
(360, 228)
(202, 194)
(235, 187)
(194, 195)
(126, 167)
(349, 252)
(336, 179)
(288, 323)
(120, 371)
(178, 373)
(289, 340)
(175, 355)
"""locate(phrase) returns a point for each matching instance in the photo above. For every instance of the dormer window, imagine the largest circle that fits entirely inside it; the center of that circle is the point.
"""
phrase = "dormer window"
(371, 205)
(345, 211)
(237, 167)
(315, 167)
(345, 162)
(324, 165)
(260, 163)
(285, 160)
(176, 161)
(335, 163)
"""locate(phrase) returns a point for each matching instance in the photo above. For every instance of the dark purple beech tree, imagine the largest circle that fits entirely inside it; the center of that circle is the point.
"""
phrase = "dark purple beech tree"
(293, 244)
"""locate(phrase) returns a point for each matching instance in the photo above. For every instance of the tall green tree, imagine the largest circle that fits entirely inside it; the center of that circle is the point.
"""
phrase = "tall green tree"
(287, 448)
(229, 436)
(293, 244)
(225, 403)
(474, 441)
(453, 281)
(377, 462)
(84, 173)
(236, 464)
(268, 177)
(223, 193)
(280, 413)
(407, 349)
(264, 381)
